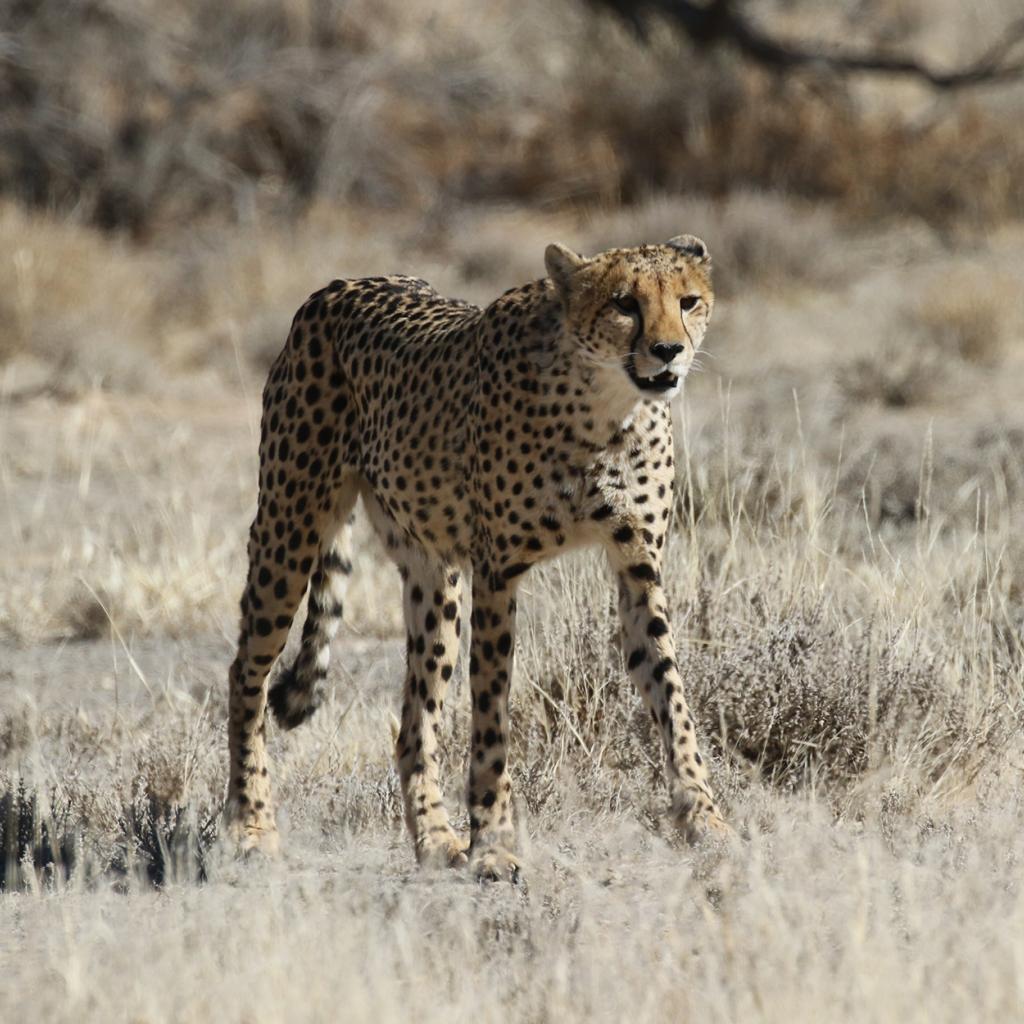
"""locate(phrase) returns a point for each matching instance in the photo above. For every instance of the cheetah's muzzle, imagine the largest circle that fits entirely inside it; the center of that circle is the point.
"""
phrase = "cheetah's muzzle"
(664, 381)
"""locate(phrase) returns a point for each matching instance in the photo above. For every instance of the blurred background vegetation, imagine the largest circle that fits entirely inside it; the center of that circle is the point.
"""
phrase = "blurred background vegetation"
(149, 117)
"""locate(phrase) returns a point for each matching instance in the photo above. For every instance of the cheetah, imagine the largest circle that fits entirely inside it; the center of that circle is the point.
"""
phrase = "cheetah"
(481, 442)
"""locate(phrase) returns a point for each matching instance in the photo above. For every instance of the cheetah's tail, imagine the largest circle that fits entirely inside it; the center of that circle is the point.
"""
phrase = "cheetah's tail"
(298, 691)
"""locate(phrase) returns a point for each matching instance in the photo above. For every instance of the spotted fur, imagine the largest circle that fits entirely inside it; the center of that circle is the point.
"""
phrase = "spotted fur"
(481, 441)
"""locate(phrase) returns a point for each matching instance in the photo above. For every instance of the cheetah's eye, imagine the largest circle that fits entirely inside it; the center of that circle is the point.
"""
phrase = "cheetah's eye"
(626, 304)
(687, 302)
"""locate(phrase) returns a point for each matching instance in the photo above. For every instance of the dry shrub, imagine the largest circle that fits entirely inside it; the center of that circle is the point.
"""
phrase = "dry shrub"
(971, 316)
(135, 801)
(149, 118)
(46, 838)
(959, 322)
(38, 841)
(806, 700)
(164, 843)
(907, 370)
(85, 615)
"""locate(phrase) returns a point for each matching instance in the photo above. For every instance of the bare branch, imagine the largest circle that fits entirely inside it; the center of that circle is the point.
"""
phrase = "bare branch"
(721, 23)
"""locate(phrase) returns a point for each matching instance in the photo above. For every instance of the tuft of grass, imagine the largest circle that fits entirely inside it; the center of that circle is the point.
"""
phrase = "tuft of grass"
(39, 847)
(165, 842)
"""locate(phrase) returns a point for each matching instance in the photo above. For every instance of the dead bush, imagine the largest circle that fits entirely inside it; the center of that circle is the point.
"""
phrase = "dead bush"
(808, 701)
(39, 844)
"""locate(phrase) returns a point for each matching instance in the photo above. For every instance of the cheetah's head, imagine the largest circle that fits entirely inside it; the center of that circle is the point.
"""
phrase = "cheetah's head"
(641, 312)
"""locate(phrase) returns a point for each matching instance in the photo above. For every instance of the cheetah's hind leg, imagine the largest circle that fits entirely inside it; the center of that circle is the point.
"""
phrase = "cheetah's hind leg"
(298, 690)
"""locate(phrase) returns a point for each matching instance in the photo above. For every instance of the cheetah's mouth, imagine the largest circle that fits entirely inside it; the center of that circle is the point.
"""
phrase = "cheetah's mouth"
(664, 381)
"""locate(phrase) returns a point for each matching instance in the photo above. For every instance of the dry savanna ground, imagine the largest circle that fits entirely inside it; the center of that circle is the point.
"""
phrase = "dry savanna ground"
(846, 564)
(846, 572)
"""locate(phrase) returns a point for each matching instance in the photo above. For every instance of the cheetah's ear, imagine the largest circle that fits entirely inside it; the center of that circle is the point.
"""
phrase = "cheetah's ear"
(691, 246)
(561, 263)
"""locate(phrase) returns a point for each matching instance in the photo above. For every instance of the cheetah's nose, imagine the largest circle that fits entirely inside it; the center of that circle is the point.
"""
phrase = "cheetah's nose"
(666, 351)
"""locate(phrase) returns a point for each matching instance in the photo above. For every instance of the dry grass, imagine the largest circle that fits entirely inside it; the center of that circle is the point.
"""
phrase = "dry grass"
(845, 573)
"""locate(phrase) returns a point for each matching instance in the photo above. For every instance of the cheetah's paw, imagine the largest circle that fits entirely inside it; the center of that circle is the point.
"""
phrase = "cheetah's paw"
(698, 820)
(445, 849)
(496, 864)
(249, 838)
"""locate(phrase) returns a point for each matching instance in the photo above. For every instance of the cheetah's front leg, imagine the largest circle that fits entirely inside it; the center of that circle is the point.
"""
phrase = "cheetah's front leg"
(434, 622)
(651, 660)
(490, 788)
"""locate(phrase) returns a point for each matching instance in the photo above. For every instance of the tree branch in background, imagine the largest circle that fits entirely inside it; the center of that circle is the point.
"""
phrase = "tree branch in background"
(722, 23)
